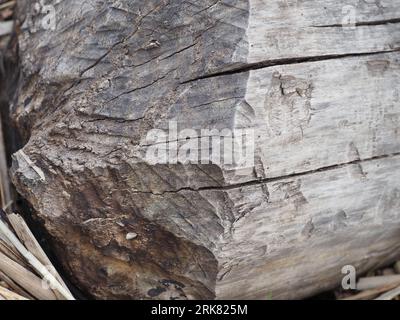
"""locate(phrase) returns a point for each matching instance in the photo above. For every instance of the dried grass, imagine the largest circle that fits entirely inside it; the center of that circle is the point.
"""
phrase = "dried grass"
(6, 11)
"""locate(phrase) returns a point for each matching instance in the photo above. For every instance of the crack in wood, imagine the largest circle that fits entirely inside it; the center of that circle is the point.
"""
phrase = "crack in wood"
(361, 23)
(286, 61)
(357, 162)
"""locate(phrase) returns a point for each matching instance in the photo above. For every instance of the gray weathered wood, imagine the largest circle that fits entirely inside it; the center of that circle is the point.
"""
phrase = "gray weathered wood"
(323, 102)
(295, 28)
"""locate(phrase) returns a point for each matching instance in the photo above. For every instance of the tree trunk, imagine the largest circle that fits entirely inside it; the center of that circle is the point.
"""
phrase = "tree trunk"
(315, 83)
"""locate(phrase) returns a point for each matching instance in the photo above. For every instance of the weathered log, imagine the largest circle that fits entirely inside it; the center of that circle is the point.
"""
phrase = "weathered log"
(321, 98)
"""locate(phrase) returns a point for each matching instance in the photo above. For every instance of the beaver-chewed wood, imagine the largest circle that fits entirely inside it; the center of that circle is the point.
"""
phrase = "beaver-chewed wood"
(316, 84)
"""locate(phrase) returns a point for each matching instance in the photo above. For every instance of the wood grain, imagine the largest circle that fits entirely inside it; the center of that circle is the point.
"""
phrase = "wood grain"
(323, 102)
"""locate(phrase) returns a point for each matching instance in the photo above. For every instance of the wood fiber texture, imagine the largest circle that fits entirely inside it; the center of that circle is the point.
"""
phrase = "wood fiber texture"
(322, 99)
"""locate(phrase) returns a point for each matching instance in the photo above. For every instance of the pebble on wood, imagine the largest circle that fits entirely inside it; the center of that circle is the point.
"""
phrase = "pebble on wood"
(131, 236)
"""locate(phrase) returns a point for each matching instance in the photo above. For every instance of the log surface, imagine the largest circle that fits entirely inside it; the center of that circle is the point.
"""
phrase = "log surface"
(322, 99)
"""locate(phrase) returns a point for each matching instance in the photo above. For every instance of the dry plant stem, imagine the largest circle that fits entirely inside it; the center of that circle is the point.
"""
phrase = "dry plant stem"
(34, 262)
(6, 5)
(30, 242)
(376, 282)
(390, 295)
(15, 287)
(9, 295)
(25, 278)
(368, 294)
(9, 252)
(6, 27)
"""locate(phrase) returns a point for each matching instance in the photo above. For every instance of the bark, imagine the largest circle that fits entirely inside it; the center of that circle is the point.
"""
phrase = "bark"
(321, 98)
